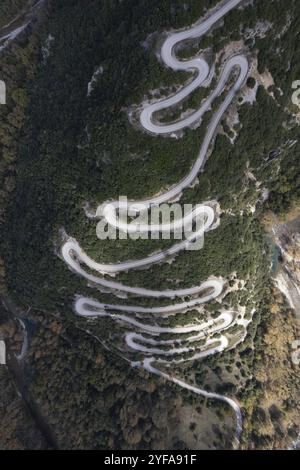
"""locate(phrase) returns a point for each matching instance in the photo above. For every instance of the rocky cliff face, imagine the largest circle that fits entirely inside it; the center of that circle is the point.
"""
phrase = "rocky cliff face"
(287, 237)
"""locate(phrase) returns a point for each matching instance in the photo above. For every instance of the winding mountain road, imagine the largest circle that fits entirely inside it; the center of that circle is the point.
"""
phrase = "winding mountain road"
(168, 351)
(11, 31)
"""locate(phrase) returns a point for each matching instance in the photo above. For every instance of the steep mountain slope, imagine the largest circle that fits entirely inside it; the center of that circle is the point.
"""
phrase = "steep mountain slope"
(69, 136)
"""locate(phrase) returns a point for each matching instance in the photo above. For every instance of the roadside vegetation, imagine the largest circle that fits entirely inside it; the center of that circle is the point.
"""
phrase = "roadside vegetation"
(61, 148)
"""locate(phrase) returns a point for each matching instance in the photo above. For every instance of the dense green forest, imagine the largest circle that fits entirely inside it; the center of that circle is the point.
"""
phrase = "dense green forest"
(9, 10)
(61, 148)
